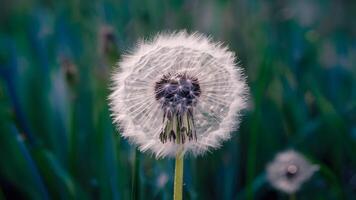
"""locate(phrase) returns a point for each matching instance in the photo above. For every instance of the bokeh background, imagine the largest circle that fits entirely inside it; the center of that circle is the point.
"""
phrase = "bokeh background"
(57, 140)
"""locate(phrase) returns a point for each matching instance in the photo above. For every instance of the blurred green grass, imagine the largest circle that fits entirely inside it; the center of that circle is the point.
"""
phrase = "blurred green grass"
(57, 140)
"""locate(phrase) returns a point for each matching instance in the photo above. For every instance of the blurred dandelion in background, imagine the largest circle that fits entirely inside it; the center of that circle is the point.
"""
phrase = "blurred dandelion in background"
(106, 39)
(178, 91)
(289, 170)
(162, 180)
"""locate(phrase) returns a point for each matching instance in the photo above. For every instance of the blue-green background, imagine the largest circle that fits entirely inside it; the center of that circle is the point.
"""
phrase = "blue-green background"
(57, 140)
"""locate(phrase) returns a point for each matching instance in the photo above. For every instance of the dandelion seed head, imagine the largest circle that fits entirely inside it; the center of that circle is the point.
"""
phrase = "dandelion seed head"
(178, 90)
(289, 170)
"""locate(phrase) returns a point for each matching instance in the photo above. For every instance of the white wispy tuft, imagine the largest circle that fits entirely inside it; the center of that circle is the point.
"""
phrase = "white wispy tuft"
(289, 170)
(221, 97)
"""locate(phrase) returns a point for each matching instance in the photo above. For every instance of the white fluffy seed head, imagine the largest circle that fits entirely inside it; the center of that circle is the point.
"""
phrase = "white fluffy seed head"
(223, 91)
(289, 170)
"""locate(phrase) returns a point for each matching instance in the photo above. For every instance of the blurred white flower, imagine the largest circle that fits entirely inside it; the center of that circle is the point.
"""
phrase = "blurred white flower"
(162, 180)
(178, 90)
(289, 170)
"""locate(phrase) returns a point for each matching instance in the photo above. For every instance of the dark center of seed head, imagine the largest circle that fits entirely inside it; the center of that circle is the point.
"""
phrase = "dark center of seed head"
(178, 94)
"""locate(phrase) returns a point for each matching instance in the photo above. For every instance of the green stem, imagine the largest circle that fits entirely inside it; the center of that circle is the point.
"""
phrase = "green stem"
(178, 177)
(292, 197)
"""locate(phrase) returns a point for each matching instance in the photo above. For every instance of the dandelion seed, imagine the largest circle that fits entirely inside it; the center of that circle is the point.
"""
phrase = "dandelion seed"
(289, 170)
(178, 91)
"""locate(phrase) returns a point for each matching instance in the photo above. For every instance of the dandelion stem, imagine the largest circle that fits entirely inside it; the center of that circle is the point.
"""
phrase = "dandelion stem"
(293, 196)
(178, 176)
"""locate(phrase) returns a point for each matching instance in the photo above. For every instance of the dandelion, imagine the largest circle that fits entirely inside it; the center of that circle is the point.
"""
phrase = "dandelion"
(289, 170)
(178, 94)
(178, 90)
